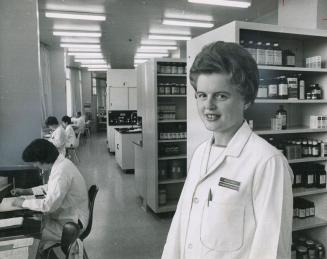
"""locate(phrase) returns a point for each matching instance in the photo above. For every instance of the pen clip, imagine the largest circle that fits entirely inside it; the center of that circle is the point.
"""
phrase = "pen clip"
(209, 196)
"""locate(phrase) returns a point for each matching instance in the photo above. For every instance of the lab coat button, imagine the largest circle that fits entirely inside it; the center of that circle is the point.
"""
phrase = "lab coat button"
(195, 200)
(190, 246)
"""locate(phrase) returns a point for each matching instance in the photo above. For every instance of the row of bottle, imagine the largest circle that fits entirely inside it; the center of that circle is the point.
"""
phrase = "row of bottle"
(177, 131)
(318, 121)
(269, 53)
(171, 68)
(174, 169)
(169, 149)
(171, 89)
(304, 248)
(291, 87)
(166, 112)
(279, 119)
(303, 208)
(309, 176)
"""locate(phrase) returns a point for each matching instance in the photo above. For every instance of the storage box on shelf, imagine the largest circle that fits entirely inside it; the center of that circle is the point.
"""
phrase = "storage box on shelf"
(164, 132)
(302, 93)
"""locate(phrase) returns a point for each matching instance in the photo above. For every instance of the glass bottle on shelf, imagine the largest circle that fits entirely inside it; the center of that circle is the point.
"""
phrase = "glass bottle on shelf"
(269, 54)
(263, 89)
(260, 54)
(282, 88)
(251, 49)
(288, 58)
(282, 115)
(273, 88)
(301, 84)
(278, 60)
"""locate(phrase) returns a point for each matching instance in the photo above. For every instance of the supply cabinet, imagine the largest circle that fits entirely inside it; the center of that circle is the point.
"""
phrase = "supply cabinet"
(164, 132)
(302, 44)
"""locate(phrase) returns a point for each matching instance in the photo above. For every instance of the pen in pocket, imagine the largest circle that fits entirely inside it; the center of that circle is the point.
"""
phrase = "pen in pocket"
(209, 196)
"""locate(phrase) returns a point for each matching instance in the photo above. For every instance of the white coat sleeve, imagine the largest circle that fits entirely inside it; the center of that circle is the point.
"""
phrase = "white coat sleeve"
(273, 210)
(58, 139)
(57, 190)
(40, 190)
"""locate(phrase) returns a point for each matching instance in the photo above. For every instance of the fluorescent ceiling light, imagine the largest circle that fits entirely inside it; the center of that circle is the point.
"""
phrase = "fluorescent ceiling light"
(95, 66)
(89, 27)
(75, 16)
(140, 61)
(140, 50)
(230, 3)
(187, 23)
(159, 42)
(97, 69)
(153, 47)
(150, 55)
(91, 61)
(84, 50)
(77, 33)
(185, 15)
(168, 37)
(85, 55)
(72, 45)
(79, 40)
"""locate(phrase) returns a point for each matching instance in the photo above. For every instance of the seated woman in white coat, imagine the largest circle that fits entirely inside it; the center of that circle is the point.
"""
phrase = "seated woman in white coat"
(58, 136)
(237, 199)
(66, 195)
(70, 134)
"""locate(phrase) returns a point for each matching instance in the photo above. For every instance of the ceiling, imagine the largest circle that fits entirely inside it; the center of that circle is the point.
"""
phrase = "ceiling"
(130, 21)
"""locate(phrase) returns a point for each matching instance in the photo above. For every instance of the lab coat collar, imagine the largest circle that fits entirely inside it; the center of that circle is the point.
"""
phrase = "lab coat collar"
(234, 149)
(59, 159)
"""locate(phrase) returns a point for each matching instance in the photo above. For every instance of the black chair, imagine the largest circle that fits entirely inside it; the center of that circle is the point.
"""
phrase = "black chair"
(70, 234)
(92, 194)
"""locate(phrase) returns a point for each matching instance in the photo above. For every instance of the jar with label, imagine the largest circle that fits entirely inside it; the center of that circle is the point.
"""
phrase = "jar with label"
(301, 252)
(273, 89)
(168, 68)
(278, 60)
(162, 69)
(321, 177)
(163, 173)
(263, 89)
(310, 148)
(174, 68)
(282, 115)
(269, 54)
(261, 59)
(301, 84)
(282, 88)
(292, 87)
(305, 148)
(161, 89)
(317, 91)
(167, 89)
(250, 47)
(275, 123)
(162, 196)
(180, 69)
(315, 149)
(175, 88)
(288, 58)
(182, 89)
(309, 178)
(298, 178)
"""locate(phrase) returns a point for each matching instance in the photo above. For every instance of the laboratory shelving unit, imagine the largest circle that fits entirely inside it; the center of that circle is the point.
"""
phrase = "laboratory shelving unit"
(305, 43)
(151, 127)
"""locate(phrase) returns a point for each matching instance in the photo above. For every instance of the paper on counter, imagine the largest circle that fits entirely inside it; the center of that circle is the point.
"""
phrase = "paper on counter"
(7, 203)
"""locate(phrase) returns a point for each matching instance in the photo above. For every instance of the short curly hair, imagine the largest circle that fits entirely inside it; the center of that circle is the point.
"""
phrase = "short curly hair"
(51, 120)
(40, 150)
(66, 119)
(231, 59)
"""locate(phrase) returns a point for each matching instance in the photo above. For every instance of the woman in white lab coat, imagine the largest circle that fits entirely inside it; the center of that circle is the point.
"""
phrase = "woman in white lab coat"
(66, 196)
(70, 134)
(237, 200)
(58, 136)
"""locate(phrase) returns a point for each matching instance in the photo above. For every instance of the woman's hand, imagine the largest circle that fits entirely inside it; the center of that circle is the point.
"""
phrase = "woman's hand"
(18, 202)
(17, 192)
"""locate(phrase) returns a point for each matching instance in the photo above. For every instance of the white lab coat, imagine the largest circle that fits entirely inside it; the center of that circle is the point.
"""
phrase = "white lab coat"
(66, 200)
(70, 136)
(79, 123)
(58, 138)
(254, 222)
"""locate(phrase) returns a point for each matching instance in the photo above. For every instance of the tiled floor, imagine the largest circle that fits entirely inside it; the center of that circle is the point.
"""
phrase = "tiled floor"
(121, 228)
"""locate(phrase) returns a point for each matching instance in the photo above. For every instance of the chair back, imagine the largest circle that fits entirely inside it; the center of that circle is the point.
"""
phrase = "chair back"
(92, 194)
(70, 233)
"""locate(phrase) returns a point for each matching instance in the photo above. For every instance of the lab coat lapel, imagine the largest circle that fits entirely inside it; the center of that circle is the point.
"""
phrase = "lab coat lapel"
(234, 149)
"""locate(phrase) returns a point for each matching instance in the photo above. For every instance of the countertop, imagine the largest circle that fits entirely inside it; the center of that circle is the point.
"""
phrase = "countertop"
(129, 130)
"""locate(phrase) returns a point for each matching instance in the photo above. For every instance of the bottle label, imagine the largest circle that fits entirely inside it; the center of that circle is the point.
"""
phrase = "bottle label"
(315, 151)
(272, 90)
(298, 179)
(312, 211)
(278, 58)
(282, 118)
(269, 57)
(283, 89)
(261, 57)
(290, 60)
(301, 213)
(322, 179)
(262, 92)
(310, 179)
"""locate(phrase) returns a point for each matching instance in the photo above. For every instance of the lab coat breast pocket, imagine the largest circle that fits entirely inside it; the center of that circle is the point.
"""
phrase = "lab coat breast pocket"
(222, 226)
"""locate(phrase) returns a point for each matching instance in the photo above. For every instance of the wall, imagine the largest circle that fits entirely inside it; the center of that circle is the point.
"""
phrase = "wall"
(20, 105)
(58, 82)
(86, 86)
(270, 18)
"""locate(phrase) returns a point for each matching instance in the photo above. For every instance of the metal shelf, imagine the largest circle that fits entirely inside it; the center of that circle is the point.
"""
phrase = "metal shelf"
(172, 157)
(172, 95)
(308, 223)
(169, 121)
(172, 75)
(292, 130)
(300, 69)
(301, 191)
(171, 181)
(307, 159)
(290, 101)
(171, 140)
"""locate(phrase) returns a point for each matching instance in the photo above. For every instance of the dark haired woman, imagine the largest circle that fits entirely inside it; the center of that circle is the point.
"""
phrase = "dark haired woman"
(70, 134)
(58, 136)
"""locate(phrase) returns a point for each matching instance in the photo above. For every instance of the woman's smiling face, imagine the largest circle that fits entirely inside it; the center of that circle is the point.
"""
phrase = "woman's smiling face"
(220, 105)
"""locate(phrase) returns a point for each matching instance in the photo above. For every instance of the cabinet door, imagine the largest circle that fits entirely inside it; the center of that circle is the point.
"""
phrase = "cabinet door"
(118, 99)
(132, 98)
(121, 78)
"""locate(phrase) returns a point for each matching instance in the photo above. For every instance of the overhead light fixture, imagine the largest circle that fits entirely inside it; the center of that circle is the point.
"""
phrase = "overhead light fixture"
(190, 23)
(85, 55)
(153, 47)
(87, 46)
(150, 55)
(95, 66)
(140, 61)
(163, 51)
(168, 37)
(91, 61)
(79, 40)
(75, 16)
(97, 69)
(230, 3)
(84, 50)
(159, 42)
(77, 33)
